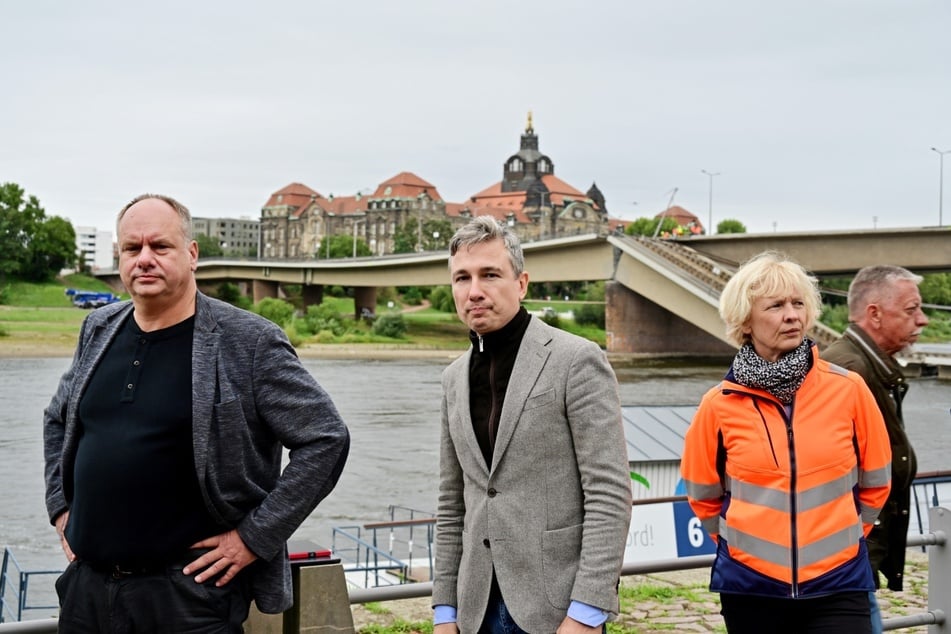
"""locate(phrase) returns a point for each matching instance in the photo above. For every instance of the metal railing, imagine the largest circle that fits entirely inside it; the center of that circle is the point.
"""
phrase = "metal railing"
(939, 578)
(391, 552)
(935, 617)
(16, 582)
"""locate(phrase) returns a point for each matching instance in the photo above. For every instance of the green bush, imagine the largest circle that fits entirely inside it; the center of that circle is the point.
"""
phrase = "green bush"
(441, 299)
(276, 310)
(323, 318)
(390, 325)
(835, 317)
(385, 294)
(590, 315)
(292, 335)
(413, 296)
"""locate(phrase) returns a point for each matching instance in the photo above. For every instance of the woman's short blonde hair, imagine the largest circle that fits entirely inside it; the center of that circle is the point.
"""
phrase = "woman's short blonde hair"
(768, 274)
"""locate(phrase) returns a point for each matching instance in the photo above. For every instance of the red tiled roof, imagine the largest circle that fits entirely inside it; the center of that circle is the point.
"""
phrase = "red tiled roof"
(406, 185)
(493, 196)
(293, 195)
(678, 213)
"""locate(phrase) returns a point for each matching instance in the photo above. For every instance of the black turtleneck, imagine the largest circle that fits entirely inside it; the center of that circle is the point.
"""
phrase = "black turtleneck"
(490, 366)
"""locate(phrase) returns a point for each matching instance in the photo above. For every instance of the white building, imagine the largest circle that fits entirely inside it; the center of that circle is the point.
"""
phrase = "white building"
(95, 249)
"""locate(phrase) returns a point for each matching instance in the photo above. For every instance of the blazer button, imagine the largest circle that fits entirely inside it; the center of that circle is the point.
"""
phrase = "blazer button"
(492, 493)
(485, 542)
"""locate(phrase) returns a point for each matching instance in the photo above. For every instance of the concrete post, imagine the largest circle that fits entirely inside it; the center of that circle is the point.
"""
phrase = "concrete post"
(939, 570)
(321, 602)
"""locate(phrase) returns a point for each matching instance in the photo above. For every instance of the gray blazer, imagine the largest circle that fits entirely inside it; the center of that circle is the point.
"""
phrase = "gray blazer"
(250, 397)
(551, 513)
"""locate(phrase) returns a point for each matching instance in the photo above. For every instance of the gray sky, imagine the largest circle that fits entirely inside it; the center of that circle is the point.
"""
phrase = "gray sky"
(816, 114)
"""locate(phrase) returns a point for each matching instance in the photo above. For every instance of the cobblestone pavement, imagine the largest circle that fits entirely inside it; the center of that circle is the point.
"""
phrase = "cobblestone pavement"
(674, 602)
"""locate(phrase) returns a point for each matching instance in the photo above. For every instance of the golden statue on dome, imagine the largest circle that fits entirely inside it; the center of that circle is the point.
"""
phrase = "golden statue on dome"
(528, 126)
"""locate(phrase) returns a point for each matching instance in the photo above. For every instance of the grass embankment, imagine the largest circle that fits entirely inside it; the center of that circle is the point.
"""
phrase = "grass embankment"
(39, 319)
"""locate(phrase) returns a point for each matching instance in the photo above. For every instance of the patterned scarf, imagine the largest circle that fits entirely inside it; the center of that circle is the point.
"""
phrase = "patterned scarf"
(782, 378)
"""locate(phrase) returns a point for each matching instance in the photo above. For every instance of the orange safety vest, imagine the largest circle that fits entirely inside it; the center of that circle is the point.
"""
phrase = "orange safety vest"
(789, 498)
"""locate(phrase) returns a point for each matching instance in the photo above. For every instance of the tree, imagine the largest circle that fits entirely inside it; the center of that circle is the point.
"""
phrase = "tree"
(32, 245)
(434, 235)
(936, 289)
(341, 246)
(18, 220)
(208, 247)
(52, 249)
(648, 226)
(730, 225)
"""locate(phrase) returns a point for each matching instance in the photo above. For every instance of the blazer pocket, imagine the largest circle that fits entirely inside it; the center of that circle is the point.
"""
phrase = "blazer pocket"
(560, 560)
(539, 400)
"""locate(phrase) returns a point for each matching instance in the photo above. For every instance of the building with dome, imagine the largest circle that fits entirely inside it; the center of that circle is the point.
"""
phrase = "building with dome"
(297, 220)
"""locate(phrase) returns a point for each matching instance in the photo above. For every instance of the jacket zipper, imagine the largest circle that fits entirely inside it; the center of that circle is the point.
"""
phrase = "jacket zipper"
(794, 532)
(790, 441)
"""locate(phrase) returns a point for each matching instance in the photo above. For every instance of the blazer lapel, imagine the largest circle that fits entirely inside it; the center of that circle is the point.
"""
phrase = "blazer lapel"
(459, 413)
(204, 372)
(532, 356)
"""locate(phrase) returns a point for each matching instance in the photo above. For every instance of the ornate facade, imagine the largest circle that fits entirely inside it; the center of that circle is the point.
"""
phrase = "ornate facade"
(296, 220)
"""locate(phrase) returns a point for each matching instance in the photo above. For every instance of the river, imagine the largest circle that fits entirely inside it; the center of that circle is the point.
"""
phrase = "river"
(392, 410)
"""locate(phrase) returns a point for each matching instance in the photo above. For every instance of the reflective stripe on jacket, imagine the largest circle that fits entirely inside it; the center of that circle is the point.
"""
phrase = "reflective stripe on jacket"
(789, 498)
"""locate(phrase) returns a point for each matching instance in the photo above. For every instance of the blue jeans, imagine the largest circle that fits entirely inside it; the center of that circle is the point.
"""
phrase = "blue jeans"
(876, 613)
(497, 619)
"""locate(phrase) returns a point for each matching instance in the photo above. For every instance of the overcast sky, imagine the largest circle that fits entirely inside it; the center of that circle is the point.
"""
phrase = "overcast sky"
(816, 114)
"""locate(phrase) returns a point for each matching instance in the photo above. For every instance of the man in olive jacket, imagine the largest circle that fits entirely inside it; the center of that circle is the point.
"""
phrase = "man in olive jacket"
(885, 317)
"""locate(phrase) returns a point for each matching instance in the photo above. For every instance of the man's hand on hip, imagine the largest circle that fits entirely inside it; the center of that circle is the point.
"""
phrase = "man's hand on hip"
(228, 554)
(445, 628)
(61, 521)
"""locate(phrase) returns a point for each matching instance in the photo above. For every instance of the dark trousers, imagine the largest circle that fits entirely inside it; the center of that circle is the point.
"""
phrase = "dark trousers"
(97, 601)
(833, 614)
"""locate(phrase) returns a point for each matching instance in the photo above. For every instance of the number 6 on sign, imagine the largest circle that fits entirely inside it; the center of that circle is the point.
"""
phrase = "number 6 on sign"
(695, 532)
(692, 538)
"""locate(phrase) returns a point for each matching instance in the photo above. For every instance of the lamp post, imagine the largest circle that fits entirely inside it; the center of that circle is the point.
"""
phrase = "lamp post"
(941, 154)
(710, 202)
(356, 223)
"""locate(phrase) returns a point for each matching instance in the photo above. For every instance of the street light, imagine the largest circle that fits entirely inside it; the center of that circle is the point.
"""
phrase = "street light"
(356, 223)
(941, 154)
(710, 202)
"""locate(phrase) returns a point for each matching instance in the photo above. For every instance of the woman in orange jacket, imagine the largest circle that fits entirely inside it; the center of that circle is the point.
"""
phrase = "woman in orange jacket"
(787, 465)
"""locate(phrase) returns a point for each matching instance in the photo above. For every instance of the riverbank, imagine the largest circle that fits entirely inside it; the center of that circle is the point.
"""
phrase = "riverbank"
(19, 348)
(658, 604)
(60, 347)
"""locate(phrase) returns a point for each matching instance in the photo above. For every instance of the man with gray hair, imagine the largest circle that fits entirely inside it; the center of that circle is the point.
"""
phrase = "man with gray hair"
(534, 486)
(885, 317)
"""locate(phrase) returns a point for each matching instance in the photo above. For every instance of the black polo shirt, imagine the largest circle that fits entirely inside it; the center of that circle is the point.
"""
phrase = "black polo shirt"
(135, 498)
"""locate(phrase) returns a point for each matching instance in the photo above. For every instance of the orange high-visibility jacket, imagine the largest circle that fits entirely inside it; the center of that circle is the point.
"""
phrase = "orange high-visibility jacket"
(789, 498)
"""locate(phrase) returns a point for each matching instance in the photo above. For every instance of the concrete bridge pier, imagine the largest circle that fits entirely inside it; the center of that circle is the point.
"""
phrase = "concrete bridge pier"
(261, 289)
(312, 294)
(364, 299)
(634, 324)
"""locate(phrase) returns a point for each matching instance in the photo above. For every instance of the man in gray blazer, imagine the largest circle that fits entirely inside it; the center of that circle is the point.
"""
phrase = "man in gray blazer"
(534, 487)
(163, 448)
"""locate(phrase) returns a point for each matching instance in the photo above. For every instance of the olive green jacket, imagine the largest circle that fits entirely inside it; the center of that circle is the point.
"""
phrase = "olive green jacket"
(856, 351)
